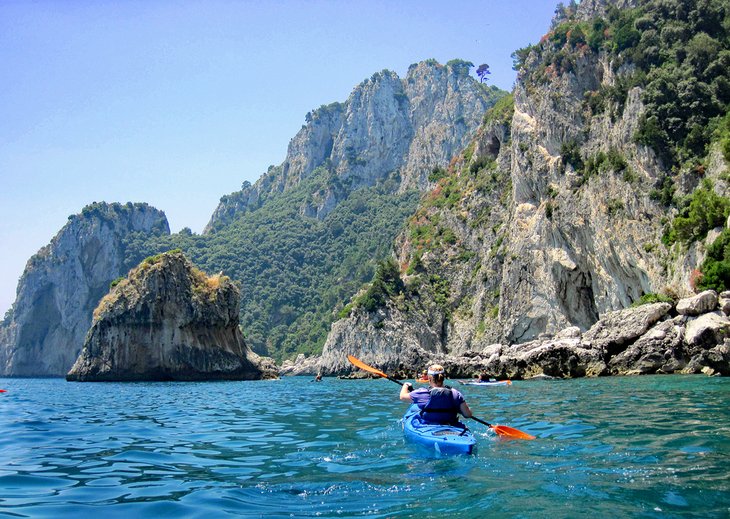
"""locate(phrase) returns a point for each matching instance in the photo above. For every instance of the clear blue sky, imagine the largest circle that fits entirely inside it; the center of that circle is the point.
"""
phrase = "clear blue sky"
(176, 103)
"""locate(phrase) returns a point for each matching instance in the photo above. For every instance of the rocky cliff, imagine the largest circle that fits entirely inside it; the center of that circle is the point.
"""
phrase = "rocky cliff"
(63, 283)
(168, 321)
(553, 216)
(388, 125)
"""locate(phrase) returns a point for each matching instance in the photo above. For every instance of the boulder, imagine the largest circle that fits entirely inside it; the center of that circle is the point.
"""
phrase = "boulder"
(572, 332)
(707, 330)
(714, 361)
(615, 330)
(302, 365)
(660, 349)
(701, 303)
(557, 358)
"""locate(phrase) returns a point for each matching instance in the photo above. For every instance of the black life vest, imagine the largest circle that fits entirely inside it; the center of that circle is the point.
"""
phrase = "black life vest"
(441, 407)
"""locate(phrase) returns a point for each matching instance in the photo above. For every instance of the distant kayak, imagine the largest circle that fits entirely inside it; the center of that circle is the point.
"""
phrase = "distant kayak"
(486, 383)
(422, 380)
(445, 439)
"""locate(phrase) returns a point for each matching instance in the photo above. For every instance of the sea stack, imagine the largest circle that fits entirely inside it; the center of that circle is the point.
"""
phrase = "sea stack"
(168, 321)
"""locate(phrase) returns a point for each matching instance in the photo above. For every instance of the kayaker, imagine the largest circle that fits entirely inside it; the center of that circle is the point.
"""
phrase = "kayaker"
(438, 403)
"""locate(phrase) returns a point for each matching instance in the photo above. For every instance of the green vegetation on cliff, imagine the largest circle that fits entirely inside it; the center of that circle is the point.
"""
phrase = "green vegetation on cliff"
(386, 284)
(296, 271)
(700, 212)
(677, 51)
(715, 270)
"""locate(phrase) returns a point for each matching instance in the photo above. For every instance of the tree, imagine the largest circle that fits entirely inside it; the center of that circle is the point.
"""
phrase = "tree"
(483, 71)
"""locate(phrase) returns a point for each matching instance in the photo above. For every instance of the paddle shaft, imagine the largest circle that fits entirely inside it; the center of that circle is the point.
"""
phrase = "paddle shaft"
(394, 380)
(482, 421)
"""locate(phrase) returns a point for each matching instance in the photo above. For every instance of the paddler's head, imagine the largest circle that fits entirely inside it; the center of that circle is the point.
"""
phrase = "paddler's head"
(436, 375)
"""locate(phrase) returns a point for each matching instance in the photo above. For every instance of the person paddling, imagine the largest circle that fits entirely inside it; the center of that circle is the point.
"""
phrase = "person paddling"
(438, 404)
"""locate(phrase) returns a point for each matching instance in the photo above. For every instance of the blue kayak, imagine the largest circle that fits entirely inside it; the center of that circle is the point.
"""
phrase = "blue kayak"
(445, 439)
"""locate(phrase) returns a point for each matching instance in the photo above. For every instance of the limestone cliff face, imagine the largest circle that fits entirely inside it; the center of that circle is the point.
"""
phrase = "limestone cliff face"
(591, 8)
(531, 245)
(387, 125)
(168, 321)
(63, 283)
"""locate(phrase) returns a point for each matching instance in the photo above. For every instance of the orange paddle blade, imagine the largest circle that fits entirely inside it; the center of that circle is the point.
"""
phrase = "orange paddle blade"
(360, 364)
(511, 432)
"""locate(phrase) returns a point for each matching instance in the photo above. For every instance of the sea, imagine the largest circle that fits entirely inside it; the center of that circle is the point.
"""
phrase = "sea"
(650, 447)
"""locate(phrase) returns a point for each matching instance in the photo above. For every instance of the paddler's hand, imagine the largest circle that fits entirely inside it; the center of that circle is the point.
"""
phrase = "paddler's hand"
(407, 388)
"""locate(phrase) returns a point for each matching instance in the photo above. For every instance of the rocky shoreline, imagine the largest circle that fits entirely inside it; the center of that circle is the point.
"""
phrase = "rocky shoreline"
(689, 337)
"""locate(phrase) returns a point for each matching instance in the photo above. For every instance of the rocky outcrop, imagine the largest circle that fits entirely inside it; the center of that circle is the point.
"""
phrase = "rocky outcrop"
(168, 321)
(63, 283)
(387, 338)
(301, 365)
(387, 125)
(616, 329)
(648, 339)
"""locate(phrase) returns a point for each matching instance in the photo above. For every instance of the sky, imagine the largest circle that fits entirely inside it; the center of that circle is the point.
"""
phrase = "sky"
(177, 103)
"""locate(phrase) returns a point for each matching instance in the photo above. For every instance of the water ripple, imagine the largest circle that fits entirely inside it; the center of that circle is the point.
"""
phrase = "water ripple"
(650, 447)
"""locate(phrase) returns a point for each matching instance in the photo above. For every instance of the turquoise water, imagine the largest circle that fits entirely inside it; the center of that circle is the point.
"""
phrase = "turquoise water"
(619, 447)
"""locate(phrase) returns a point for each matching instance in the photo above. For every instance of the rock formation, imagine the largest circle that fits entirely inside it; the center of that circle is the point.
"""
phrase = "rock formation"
(387, 125)
(63, 283)
(168, 321)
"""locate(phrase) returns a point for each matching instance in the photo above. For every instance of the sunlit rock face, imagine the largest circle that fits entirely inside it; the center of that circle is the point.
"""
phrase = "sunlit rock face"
(168, 321)
(387, 127)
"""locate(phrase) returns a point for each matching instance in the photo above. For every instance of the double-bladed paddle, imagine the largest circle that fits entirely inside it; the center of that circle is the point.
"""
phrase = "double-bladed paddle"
(501, 430)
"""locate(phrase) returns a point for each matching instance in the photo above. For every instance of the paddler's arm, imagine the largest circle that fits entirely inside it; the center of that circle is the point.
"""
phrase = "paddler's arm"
(464, 409)
(405, 392)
